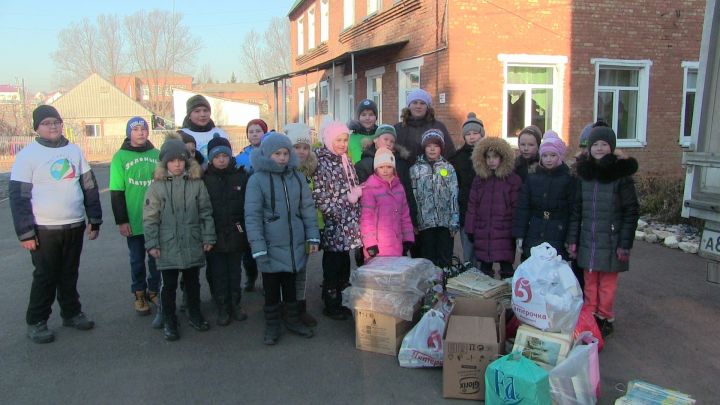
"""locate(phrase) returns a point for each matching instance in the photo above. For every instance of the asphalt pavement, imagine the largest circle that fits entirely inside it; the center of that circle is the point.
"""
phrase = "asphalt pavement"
(665, 334)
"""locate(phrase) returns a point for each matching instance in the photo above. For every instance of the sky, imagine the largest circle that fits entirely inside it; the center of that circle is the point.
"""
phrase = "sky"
(29, 29)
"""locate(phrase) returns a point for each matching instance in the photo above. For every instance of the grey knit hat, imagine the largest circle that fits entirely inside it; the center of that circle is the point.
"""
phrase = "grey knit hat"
(173, 149)
(385, 129)
(473, 124)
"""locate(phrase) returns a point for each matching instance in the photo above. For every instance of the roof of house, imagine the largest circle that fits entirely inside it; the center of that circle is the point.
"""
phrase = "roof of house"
(8, 88)
(147, 72)
(96, 97)
(295, 5)
(228, 88)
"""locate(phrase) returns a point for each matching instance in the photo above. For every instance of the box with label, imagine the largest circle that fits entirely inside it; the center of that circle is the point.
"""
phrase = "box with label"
(473, 339)
(379, 333)
(546, 349)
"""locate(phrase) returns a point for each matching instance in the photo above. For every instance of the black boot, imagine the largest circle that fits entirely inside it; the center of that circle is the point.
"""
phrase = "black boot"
(347, 311)
(292, 320)
(272, 324)
(236, 308)
(170, 327)
(196, 318)
(251, 274)
(305, 317)
(223, 311)
(332, 308)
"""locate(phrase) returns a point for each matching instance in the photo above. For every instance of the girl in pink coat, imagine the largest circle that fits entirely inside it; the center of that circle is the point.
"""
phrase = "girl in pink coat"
(385, 224)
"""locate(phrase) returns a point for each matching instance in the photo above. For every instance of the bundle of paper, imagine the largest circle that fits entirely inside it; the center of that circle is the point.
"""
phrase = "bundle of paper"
(474, 283)
(644, 393)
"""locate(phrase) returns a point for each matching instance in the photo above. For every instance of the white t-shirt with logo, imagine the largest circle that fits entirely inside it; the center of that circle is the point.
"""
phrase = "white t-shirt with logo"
(57, 197)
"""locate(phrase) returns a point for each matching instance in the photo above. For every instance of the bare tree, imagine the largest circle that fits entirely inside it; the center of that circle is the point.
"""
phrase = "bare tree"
(111, 53)
(204, 75)
(84, 49)
(160, 45)
(251, 56)
(267, 56)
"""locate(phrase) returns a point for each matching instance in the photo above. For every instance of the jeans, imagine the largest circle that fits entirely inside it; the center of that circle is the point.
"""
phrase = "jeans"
(140, 280)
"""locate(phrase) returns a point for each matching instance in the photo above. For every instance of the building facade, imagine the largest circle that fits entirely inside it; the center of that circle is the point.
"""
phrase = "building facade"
(558, 64)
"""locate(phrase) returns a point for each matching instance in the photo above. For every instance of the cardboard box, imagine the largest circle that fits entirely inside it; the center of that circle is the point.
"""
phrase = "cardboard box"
(380, 333)
(474, 337)
(546, 349)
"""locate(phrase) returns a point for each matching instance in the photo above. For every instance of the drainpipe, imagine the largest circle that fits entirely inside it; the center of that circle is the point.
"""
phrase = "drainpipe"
(277, 103)
(332, 90)
(352, 77)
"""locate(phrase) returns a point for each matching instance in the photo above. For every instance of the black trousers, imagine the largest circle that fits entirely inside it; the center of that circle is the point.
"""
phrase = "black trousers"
(56, 262)
(191, 281)
(436, 244)
(506, 269)
(225, 270)
(277, 284)
(336, 269)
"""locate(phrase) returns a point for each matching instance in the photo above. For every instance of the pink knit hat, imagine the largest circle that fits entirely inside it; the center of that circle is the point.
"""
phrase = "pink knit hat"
(551, 142)
(331, 131)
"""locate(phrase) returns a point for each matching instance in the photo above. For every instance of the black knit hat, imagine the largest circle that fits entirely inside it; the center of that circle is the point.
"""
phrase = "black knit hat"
(195, 102)
(534, 131)
(366, 104)
(173, 149)
(602, 134)
(42, 112)
(187, 138)
(218, 145)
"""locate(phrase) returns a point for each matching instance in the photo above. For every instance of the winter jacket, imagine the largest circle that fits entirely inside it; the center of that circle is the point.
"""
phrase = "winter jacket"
(364, 169)
(131, 172)
(177, 218)
(385, 218)
(342, 218)
(358, 135)
(605, 213)
(410, 133)
(462, 162)
(544, 207)
(226, 188)
(435, 188)
(243, 159)
(524, 167)
(308, 168)
(492, 203)
(279, 215)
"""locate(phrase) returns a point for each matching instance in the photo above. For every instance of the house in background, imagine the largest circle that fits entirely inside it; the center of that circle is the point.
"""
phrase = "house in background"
(558, 64)
(252, 93)
(9, 93)
(153, 89)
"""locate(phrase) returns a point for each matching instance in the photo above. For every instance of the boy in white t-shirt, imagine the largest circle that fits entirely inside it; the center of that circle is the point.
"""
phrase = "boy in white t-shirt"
(53, 193)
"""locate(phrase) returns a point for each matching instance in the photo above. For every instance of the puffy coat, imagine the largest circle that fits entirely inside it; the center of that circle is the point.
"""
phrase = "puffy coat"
(544, 207)
(605, 212)
(279, 214)
(492, 203)
(226, 188)
(364, 169)
(462, 162)
(410, 133)
(385, 218)
(525, 167)
(177, 218)
(435, 188)
(342, 218)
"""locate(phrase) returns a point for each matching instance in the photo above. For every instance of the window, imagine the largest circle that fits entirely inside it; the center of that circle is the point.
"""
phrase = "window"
(373, 6)
(348, 13)
(532, 93)
(145, 92)
(311, 27)
(374, 88)
(324, 20)
(92, 130)
(688, 105)
(300, 36)
(301, 105)
(408, 79)
(350, 91)
(621, 98)
(324, 97)
(311, 106)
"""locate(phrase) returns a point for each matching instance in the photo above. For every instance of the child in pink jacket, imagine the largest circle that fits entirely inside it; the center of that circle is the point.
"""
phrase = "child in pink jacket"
(385, 224)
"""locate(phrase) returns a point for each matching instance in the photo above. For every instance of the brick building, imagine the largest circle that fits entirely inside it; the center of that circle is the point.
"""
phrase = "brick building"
(153, 89)
(559, 64)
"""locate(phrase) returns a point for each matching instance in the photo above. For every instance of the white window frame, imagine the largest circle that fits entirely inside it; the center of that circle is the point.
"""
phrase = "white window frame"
(145, 92)
(300, 35)
(324, 20)
(311, 27)
(324, 87)
(348, 13)
(371, 75)
(643, 68)
(312, 104)
(301, 105)
(400, 68)
(373, 7)
(557, 63)
(97, 130)
(350, 93)
(687, 66)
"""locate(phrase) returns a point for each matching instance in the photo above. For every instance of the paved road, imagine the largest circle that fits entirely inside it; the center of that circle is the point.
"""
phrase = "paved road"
(666, 329)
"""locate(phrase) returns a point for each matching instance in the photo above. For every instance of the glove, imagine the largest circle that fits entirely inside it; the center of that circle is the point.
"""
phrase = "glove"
(373, 251)
(623, 255)
(518, 243)
(471, 237)
(572, 250)
(407, 245)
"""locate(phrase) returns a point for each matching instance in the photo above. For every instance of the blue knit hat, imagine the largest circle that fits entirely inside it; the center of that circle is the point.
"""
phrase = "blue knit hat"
(272, 142)
(218, 145)
(133, 122)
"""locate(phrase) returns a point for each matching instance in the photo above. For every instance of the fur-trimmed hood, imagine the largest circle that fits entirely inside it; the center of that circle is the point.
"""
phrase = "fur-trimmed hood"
(192, 168)
(308, 167)
(501, 147)
(605, 170)
(369, 149)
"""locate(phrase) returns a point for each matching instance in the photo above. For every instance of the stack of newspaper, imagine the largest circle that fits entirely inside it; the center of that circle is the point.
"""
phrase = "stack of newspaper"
(474, 283)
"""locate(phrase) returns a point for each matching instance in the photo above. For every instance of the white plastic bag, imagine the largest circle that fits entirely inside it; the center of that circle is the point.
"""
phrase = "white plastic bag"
(575, 381)
(423, 345)
(546, 293)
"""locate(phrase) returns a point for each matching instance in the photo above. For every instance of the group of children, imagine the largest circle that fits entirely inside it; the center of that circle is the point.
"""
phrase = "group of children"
(363, 190)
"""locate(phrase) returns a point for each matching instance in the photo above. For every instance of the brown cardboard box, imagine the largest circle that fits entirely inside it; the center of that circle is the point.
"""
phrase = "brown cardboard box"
(379, 333)
(474, 337)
